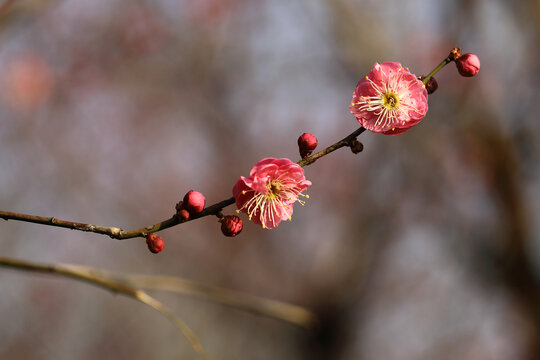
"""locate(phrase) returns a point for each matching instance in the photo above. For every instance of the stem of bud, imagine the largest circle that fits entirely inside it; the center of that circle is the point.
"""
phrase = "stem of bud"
(436, 70)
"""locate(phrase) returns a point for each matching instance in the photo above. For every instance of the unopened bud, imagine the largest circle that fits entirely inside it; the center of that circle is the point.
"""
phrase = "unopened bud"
(179, 206)
(468, 64)
(194, 202)
(306, 144)
(231, 225)
(155, 243)
(431, 84)
(356, 146)
(183, 215)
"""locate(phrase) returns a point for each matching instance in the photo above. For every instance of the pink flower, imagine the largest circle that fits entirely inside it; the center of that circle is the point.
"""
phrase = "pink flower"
(270, 191)
(389, 100)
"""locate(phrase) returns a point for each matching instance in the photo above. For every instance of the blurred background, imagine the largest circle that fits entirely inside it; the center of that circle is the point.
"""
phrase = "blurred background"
(424, 246)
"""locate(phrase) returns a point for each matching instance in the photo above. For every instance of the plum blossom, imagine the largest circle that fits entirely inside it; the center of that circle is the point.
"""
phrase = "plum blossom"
(268, 194)
(389, 100)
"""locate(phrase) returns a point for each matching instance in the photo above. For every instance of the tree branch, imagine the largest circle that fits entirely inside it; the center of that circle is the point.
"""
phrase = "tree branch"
(120, 234)
(129, 284)
(114, 232)
(346, 141)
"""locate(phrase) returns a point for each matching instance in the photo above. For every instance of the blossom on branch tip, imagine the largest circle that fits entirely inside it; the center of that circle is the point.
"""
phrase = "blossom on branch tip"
(389, 100)
(268, 194)
(468, 65)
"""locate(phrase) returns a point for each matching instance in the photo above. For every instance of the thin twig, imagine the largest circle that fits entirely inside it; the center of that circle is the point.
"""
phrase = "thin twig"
(292, 314)
(186, 330)
(346, 141)
(120, 234)
(289, 313)
(113, 232)
(95, 277)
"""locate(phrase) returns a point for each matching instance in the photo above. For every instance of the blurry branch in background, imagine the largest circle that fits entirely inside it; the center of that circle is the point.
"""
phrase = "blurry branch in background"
(215, 209)
(13, 10)
(498, 164)
(96, 277)
(129, 284)
(5, 6)
(293, 314)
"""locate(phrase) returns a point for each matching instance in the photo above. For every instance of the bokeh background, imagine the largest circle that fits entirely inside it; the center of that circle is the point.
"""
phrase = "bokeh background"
(424, 246)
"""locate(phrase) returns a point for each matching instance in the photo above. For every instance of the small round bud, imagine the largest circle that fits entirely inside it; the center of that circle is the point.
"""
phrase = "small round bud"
(431, 84)
(183, 215)
(356, 146)
(155, 243)
(468, 64)
(194, 202)
(306, 144)
(179, 206)
(231, 225)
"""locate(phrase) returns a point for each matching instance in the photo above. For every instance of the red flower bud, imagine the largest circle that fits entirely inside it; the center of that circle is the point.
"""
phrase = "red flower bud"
(179, 206)
(155, 243)
(306, 143)
(194, 202)
(356, 146)
(183, 215)
(468, 65)
(231, 225)
(431, 84)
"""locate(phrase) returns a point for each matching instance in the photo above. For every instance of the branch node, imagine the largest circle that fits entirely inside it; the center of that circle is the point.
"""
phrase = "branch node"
(355, 145)
(116, 231)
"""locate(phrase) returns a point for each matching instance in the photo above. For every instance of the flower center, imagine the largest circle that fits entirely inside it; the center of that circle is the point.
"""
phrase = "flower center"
(282, 192)
(390, 100)
(275, 188)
